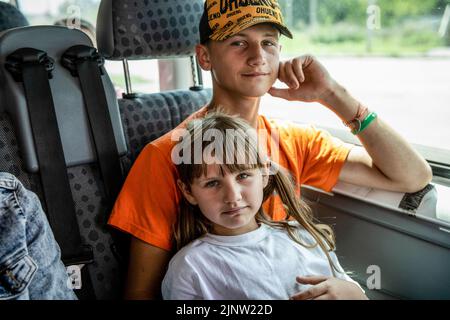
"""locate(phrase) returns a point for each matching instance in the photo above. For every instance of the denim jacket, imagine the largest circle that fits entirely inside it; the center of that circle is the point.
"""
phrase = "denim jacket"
(30, 258)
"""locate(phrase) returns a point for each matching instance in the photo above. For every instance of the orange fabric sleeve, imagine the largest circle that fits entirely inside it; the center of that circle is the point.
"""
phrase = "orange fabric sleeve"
(148, 202)
(322, 157)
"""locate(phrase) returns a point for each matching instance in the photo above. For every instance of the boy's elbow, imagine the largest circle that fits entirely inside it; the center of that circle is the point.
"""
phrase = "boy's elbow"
(427, 176)
(421, 180)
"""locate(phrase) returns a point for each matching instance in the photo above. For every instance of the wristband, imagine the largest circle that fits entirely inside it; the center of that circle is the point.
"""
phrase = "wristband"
(365, 123)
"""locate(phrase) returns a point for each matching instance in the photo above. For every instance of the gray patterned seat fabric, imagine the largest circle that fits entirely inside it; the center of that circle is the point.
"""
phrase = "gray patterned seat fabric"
(11, 17)
(150, 116)
(85, 185)
(151, 29)
(148, 29)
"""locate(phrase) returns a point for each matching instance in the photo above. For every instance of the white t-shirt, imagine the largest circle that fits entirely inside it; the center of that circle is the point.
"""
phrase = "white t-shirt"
(261, 264)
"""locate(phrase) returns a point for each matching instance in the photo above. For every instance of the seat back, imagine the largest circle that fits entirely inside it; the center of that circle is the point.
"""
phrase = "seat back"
(151, 29)
(11, 17)
(18, 153)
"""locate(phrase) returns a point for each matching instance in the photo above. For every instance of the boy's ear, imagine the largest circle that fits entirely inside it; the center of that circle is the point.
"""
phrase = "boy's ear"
(202, 52)
(186, 193)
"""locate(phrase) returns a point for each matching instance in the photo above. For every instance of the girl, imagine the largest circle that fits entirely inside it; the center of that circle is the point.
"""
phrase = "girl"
(228, 247)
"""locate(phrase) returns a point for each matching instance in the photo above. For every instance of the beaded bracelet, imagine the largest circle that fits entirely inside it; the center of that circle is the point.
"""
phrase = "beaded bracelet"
(355, 123)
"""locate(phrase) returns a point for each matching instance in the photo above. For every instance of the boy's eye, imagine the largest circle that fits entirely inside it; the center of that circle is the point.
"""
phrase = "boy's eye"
(237, 43)
(269, 43)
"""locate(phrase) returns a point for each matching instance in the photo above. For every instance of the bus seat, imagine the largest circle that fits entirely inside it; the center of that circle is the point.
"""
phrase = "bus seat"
(18, 156)
(151, 30)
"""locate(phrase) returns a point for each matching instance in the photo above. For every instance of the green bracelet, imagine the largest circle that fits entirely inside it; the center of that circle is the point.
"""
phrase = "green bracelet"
(365, 123)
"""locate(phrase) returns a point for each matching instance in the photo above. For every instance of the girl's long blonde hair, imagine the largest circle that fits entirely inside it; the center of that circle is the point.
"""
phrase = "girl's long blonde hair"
(191, 223)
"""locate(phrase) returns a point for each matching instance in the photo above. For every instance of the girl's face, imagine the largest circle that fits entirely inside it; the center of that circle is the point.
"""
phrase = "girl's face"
(229, 200)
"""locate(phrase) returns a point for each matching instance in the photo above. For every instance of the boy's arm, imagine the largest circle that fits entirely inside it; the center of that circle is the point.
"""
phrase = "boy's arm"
(146, 270)
(387, 162)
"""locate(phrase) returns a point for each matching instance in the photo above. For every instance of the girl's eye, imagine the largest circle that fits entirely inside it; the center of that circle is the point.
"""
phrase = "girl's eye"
(243, 176)
(211, 184)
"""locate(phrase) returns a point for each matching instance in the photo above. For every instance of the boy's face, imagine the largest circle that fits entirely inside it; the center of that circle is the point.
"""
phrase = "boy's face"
(246, 64)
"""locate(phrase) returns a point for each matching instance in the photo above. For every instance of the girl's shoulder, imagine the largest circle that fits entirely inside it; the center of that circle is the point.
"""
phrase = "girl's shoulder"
(190, 253)
(279, 229)
(298, 230)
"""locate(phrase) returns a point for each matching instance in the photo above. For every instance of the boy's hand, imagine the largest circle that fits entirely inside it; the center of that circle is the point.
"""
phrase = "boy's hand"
(328, 288)
(307, 79)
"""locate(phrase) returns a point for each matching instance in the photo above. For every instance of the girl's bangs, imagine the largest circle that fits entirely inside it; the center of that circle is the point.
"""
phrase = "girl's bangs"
(232, 157)
(222, 140)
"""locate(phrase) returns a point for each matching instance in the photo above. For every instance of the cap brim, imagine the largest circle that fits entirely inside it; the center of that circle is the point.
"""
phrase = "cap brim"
(282, 28)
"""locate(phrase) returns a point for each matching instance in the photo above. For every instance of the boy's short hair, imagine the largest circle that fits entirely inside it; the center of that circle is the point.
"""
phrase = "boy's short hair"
(223, 19)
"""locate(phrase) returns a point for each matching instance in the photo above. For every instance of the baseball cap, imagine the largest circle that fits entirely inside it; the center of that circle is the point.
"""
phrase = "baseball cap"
(222, 19)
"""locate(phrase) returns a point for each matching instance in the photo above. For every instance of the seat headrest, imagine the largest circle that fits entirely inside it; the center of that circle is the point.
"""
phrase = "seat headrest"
(69, 103)
(11, 17)
(148, 29)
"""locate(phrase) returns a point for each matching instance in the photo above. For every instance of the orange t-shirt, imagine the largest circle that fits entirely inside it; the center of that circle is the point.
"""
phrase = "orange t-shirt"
(147, 205)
